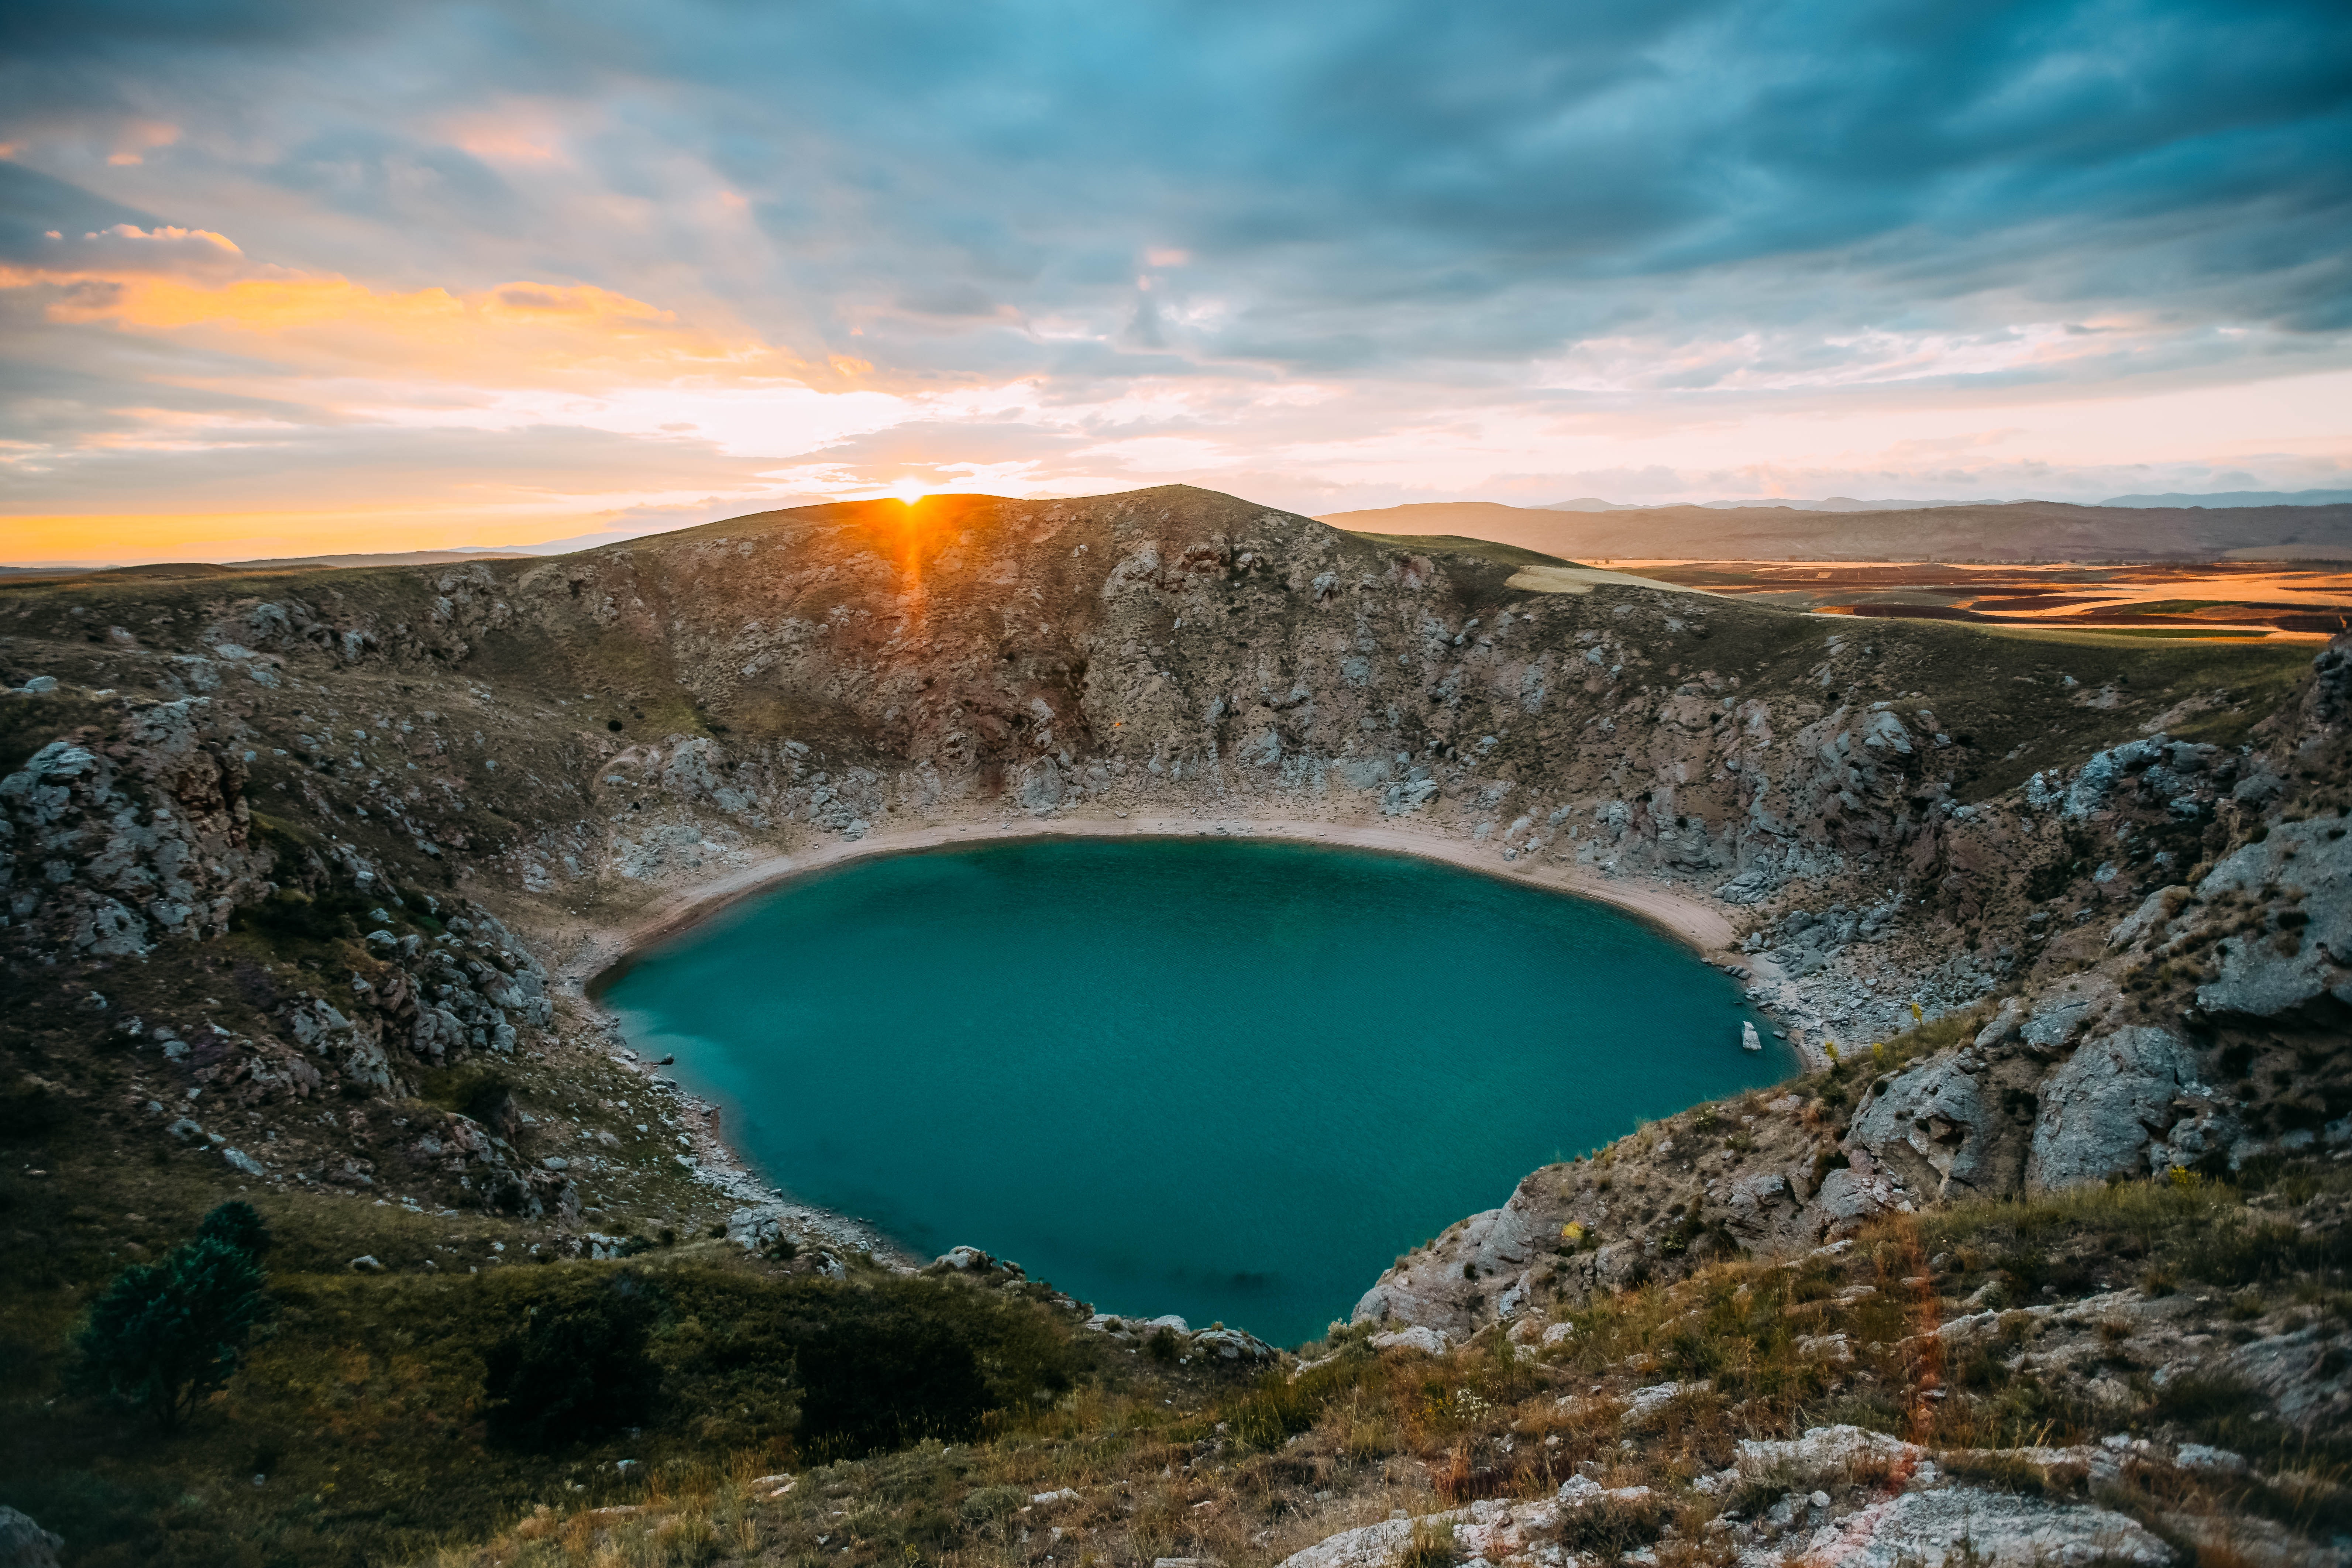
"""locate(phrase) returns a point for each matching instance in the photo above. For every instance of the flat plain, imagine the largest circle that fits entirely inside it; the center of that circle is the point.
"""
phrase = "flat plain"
(2224, 601)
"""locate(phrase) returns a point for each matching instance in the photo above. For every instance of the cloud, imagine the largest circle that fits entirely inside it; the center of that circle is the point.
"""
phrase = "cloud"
(1361, 249)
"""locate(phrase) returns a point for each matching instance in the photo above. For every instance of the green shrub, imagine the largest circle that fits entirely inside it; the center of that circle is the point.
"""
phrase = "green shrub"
(990, 1503)
(239, 1225)
(578, 1369)
(2200, 1400)
(290, 916)
(886, 1377)
(166, 1334)
(2249, 1253)
(1431, 1546)
(1611, 1526)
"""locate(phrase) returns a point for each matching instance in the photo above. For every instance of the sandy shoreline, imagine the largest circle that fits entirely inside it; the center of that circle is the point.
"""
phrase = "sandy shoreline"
(1695, 923)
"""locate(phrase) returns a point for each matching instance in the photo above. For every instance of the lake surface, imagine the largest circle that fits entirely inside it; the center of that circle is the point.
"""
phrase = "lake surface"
(1227, 1079)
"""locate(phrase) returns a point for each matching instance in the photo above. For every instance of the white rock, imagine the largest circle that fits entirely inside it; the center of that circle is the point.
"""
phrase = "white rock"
(1961, 1525)
(2256, 979)
(1647, 1401)
(2198, 1456)
(1824, 1450)
(1429, 1341)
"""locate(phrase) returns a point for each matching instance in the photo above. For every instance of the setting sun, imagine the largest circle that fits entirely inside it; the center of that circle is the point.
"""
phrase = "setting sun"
(907, 491)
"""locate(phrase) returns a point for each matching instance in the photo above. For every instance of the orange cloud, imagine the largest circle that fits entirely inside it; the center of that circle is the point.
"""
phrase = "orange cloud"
(516, 334)
(139, 138)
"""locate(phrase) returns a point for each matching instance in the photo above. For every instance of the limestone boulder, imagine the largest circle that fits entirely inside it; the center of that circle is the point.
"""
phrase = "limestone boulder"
(2057, 1019)
(1763, 1209)
(1823, 1453)
(1957, 1525)
(1446, 1286)
(2300, 1374)
(1933, 1116)
(2301, 959)
(1232, 1344)
(2106, 1104)
(1852, 1197)
(24, 1543)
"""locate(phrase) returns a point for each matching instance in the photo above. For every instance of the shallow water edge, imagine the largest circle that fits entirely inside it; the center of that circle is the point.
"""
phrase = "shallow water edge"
(605, 954)
(1474, 1036)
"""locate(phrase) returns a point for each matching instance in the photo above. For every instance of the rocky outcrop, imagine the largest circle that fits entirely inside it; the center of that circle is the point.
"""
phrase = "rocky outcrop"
(2299, 957)
(2107, 1104)
(1967, 1525)
(24, 1543)
(1491, 1530)
(111, 842)
(1936, 1115)
(1892, 1507)
(1484, 1256)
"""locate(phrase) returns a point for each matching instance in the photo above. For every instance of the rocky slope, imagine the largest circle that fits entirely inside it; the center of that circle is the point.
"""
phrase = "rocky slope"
(303, 876)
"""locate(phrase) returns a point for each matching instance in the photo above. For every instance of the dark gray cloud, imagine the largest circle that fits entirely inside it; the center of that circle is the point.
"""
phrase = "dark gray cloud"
(1357, 184)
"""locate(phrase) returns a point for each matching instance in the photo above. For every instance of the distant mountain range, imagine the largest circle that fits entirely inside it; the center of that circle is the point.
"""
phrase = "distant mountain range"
(1973, 530)
(1828, 503)
(1848, 503)
(171, 570)
(2237, 498)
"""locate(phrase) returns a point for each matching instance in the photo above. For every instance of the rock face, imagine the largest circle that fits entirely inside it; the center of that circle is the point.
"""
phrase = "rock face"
(24, 1543)
(2301, 959)
(1921, 1522)
(1443, 1288)
(131, 840)
(1491, 1530)
(1966, 1526)
(1935, 1113)
(801, 678)
(2103, 1107)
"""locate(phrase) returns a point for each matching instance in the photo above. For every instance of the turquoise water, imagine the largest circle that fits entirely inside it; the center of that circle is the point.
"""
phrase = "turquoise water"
(1227, 1079)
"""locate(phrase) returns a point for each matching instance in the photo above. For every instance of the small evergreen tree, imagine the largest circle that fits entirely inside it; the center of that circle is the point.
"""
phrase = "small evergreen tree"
(166, 1334)
(239, 1224)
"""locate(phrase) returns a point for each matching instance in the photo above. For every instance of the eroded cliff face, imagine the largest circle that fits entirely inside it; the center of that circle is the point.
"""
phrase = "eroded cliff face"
(2209, 1026)
(390, 805)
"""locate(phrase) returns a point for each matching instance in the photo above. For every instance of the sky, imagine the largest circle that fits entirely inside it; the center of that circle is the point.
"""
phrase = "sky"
(289, 275)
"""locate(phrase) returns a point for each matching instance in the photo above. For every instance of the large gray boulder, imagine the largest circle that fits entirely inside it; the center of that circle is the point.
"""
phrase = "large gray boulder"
(1444, 1287)
(1963, 1525)
(2056, 1019)
(1764, 1211)
(24, 1543)
(1934, 1115)
(2303, 957)
(1852, 1197)
(2102, 1108)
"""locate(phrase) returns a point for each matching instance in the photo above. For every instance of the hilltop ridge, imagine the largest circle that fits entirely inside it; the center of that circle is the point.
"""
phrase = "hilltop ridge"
(308, 874)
